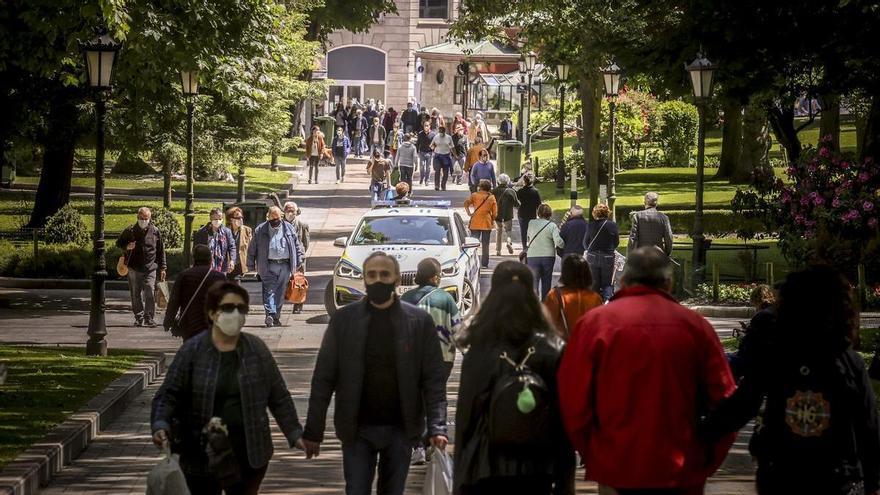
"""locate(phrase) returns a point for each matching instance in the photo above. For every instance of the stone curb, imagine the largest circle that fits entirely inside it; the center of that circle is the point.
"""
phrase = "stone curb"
(34, 468)
(742, 312)
(174, 194)
(71, 283)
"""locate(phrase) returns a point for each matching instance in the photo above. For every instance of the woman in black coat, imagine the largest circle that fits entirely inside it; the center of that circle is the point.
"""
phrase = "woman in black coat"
(510, 321)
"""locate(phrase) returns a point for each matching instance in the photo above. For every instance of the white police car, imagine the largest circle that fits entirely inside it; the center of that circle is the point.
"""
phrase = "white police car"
(411, 232)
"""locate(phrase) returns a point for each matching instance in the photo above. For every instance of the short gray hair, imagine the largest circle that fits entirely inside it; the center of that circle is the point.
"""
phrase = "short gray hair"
(648, 266)
(146, 210)
(575, 211)
(292, 205)
(504, 179)
(216, 211)
(652, 198)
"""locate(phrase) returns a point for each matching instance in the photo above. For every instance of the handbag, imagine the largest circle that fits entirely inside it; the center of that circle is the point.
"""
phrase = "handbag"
(175, 324)
(166, 477)
(297, 289)
(524, 255)
(163, 294)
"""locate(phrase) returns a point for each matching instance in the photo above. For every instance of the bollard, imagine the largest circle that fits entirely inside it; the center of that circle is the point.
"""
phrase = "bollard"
(716, 279)
(768, 267)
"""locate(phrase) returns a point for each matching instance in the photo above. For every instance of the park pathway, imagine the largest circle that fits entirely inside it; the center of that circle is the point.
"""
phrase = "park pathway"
(118, 461)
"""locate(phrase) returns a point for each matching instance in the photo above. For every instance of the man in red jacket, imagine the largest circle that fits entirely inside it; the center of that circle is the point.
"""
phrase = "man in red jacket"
(634, 379)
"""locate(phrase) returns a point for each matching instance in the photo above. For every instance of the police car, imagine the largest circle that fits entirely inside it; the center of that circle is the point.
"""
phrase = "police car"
(410, 231)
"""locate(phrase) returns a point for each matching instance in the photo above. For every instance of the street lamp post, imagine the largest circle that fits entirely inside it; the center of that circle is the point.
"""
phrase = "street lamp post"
(531, 59)
(189, 80)
(523, 130)
(561, 77)
(700, 71)
(100, 57)
(611, 78)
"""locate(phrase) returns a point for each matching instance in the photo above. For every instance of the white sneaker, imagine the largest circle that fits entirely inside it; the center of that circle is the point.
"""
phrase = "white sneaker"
(337, 181)
(418, 457)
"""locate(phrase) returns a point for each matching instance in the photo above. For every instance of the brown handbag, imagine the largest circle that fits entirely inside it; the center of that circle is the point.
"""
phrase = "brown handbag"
(297, 289)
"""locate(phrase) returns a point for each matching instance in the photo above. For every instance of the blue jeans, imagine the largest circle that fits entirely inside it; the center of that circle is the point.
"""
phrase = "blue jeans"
(442, 166)
(484, 236)
(602, 269)
(340, 166)
(424, 167)
(406, 175)
(542, 268)
(386, 445)
(274, 285)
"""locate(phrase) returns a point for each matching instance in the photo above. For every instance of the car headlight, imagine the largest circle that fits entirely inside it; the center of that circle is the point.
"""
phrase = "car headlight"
(348, 271)
(450, 270)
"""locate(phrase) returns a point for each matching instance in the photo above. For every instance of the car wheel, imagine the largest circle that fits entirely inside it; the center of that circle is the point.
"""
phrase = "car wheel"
(330, 298)
(469, 299)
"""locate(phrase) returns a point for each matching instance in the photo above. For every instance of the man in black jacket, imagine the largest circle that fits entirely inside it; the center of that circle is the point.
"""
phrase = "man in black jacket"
(529, 201)
(410, 119)
(144, 255)
(506, 198)
(382, 359)
(188, 295)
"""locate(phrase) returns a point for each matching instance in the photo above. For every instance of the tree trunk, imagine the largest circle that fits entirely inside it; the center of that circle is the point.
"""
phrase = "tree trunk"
(273, 166)
(59, 144)
(871, 134)
(829, 119)
(731, 139)
(591, 115)
(296, 118)
(755, 152)
(166, 184)
(782, 123)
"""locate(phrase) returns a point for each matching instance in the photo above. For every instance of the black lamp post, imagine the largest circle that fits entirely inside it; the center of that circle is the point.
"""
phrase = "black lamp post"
(523, 130)
(561, 77)
(700, 71)
(611, 78)
(100, 56)
(189, 80)
(531, 59)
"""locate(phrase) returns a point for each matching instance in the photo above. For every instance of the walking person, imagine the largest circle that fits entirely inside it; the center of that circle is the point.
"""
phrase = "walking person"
(380, 409)
(529, 201)
(444, 152)
(220, 241)
(650, 227)
(380, 175)
(315, 150)
(756, 334)
(482, 208)
(543, 241)
(292, 215)
(507, 128)
(185, 315)
(505, 197)
(341, 116)
(423, 142)
(460, 145)
(241, 235)
(459, 121)
(358, 128)
(573, 296)
(405, 160)
(146, 256)
(573, 231)
(389, 119)
(231, 375)
(444, 311)
(482, 170)
(376, 136)
(602, 239)
(510, 328)
(473, 156)
(275, 253)
(410, 119)
(636, 426)
(393, 140)
(819, 429)
(341, 146)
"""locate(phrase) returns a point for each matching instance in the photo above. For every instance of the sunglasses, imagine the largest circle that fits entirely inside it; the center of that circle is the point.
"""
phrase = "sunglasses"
(229, 308)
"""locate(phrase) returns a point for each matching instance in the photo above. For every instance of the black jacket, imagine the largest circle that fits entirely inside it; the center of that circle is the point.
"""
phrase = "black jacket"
(506, 198)
(148, 253)
(573, 232)
(474, 457)
(841, 444)
(604, 239)
(410, 118)
(529, 201)
(193, 321)
(423, 141)
(340, 369)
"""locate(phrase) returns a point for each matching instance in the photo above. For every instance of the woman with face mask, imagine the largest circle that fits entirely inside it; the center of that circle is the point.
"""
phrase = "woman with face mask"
(242, 235)
(226, 375)
(220, 240)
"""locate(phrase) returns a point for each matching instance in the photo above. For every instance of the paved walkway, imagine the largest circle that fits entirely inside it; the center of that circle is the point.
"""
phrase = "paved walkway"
(120, 458)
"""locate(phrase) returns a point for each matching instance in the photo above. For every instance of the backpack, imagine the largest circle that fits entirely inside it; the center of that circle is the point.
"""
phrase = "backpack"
(519, 406)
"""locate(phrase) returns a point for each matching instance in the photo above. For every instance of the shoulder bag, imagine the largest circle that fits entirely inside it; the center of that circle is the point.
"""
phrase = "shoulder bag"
(486, 200)
(175, 324)
(524, 256)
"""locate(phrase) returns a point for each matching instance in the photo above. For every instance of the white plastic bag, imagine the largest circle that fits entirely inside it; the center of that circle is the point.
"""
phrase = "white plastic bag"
(438, 477)
(166, 477)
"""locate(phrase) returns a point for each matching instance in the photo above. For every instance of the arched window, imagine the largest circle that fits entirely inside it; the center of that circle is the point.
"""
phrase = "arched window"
(358, 73)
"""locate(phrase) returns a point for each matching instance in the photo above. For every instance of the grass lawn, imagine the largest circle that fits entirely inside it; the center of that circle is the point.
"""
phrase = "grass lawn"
(46, 385)
(257, 179)
(119, 213)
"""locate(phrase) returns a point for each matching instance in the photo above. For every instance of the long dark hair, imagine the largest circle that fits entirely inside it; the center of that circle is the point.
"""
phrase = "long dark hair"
(575, 272)
(511, 311)
(816, 312)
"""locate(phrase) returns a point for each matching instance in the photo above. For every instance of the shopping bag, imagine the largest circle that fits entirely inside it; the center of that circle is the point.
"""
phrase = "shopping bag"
(438, 477)
(163, 294)
(166, 477)
(297, 289)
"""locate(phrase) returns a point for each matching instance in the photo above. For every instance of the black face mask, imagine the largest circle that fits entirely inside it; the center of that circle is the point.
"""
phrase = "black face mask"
(275, 222)
(379, 292)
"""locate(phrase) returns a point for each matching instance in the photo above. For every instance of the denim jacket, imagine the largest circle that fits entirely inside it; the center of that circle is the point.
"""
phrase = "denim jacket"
(187, 395)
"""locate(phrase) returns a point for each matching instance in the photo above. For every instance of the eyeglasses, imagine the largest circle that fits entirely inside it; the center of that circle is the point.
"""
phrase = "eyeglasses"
(229, 308)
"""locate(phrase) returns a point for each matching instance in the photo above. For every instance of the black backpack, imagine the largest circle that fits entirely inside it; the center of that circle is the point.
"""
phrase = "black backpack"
(520, 406)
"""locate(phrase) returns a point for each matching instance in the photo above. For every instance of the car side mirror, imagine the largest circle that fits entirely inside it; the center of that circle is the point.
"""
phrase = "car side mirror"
(470, 242)
(340, 242)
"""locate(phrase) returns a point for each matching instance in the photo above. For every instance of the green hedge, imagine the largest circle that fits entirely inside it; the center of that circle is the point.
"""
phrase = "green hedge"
(715, 222)
(66, 261)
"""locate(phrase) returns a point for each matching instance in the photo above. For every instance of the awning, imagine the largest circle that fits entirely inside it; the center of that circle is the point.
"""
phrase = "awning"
(479, 51)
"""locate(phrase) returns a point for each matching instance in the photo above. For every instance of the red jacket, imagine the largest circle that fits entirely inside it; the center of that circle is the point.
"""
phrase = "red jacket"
(628, 387)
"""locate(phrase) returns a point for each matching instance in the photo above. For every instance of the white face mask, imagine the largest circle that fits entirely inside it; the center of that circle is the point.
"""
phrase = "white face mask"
(143, 223)
(290, 216)
(236, 222)
(230, 323)
(215, 224)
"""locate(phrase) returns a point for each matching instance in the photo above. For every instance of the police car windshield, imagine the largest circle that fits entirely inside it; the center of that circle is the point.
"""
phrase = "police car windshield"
(404, 230)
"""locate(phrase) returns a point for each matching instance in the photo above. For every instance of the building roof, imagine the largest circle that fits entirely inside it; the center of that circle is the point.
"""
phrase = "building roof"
(488, 51)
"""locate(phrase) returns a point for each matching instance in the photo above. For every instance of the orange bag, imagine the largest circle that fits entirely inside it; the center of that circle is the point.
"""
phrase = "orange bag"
(297, 289)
